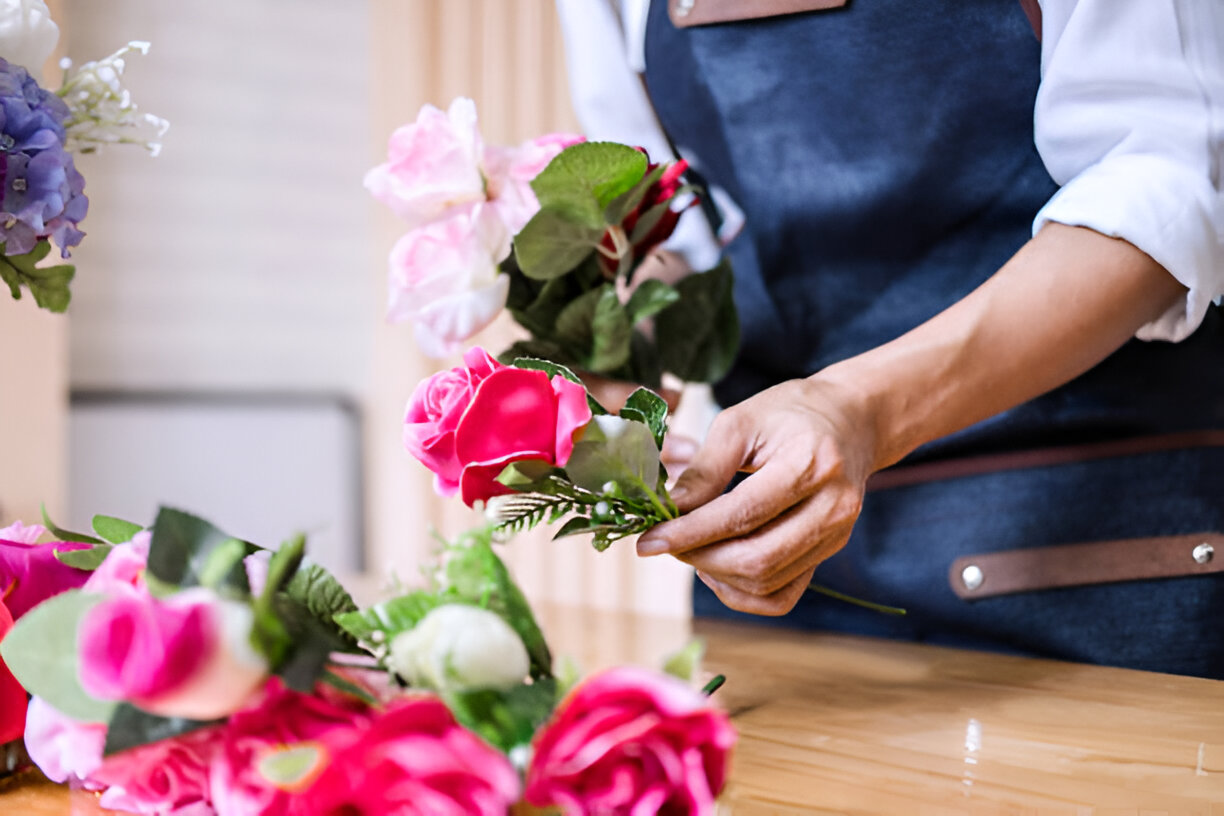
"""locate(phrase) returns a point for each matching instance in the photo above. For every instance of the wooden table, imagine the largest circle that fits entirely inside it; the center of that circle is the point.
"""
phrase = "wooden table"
(839, 725)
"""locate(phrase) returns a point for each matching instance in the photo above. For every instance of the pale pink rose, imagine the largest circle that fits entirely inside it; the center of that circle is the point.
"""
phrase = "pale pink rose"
(468, 423)
(414, 758)
(23, 533)
(124, 567)
(64, 749)
(165, 777)
(188, 655)
(282, 719)
(433, 165)
(509, 171)
(444, 278)
(631, 741)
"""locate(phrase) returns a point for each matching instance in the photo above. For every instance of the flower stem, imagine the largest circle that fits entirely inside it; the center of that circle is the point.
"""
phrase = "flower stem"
(850, 599)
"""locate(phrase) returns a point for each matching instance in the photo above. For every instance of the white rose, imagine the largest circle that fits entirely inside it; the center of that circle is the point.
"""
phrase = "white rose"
(457, 647)
(27, 34)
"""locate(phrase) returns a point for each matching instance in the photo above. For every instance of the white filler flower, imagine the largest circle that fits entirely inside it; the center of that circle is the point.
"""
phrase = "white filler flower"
(457, 647)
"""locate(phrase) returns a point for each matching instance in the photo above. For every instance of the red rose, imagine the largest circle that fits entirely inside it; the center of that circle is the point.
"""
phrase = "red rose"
(468, 423)
(631, 741)
(662, 190)
(12, 695)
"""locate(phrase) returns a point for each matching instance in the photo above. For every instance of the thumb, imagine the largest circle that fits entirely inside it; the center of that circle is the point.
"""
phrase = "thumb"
(713, 466)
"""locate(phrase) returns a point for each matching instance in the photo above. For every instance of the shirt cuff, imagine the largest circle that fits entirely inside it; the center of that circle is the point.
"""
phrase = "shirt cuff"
(1166, 210)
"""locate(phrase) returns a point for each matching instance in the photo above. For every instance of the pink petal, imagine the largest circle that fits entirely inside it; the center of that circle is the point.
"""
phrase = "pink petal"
(513, 411)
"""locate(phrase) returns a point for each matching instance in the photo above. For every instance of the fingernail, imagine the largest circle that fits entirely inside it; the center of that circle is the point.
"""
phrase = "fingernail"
(651, 546)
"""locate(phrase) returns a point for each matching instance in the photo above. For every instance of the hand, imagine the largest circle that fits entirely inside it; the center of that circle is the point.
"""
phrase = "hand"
(809, 449)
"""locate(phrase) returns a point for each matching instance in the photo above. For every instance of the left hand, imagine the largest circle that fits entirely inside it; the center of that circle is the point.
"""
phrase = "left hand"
(809, 449)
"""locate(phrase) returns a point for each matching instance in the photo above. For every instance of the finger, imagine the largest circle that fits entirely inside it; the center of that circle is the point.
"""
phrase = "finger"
(715, 463)
(795, 542)
(777, 603)
(781, 483)
(678, 452)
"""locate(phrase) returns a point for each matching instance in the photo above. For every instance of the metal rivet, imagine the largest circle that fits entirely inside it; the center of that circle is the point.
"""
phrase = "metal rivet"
(972, 577)
(684, 7)
(1203, 553)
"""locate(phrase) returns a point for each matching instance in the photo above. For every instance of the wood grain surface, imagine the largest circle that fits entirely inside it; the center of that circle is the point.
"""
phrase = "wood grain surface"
(850, 726)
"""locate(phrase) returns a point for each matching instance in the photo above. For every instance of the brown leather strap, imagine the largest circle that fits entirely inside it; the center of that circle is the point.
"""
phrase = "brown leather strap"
(1042, 457)
(1100, 562)
(685, 13)
(1032, 10)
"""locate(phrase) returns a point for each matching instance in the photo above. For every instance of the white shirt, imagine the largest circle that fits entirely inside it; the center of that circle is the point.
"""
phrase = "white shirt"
(1129, 120)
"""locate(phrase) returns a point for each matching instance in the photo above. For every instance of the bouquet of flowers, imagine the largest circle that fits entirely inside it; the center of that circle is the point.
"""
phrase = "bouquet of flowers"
(42, 194)
(177, 669)
(555, 230)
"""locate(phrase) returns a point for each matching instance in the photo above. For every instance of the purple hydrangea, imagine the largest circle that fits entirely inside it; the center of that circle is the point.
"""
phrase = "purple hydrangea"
(41, 192)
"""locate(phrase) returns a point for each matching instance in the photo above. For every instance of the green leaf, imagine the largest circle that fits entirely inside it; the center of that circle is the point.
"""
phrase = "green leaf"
(320, 592)
(529, 475)
(616, 450)
(288, 766)
(648, 299)
(626, 203)
(65, 535)
(312, 644)
(585, 178)
(550, 244)
(698, 336)
(89, 559)
(580, 525)
(389, 618)
(221, 562)
(116, 531)
(181, 547)
(48, 284)
(506, 719)
(650, 409)
(683, 664)
(130, 728)
(41, 652)
(596, 329)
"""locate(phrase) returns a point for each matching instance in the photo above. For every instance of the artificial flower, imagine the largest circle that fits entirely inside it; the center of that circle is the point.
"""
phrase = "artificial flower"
(413, 758)
(444, 278)
(188, 655)
(30, 573)
(433, 165)
(468, 423)
(510, 170)
(12, 695)
(102, 111)
(630, 741)
(43, 194)
(27, 33)
(64, 749)
(658, 195)
(458, 647)
(169, 776)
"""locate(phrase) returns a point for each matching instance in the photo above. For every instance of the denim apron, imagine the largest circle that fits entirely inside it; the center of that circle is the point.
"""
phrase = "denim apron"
(883, 156)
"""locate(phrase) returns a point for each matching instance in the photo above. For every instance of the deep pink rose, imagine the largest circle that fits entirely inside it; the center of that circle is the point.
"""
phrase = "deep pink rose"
(12, 694)
(281, 719)
(631, 741)
(413, 759)
(509, 171)
(433, 165)
(164, 777)
(29, 572)
(444, 278)
(64, 749)
(468, 423)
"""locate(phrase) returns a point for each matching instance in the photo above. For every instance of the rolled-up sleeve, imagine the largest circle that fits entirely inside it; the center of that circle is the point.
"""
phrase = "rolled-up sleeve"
(1129, 120)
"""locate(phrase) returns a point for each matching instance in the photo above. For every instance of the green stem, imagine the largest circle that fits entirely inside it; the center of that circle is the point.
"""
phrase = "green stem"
(850, 599)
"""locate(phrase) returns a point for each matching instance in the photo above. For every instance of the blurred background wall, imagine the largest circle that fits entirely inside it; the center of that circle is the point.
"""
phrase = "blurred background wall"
(226, 349)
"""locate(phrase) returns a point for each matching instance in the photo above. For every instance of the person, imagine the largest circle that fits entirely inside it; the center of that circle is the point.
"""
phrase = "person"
(980, 374)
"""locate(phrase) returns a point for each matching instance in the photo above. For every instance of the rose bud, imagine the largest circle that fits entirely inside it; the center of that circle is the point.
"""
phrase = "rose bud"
(457, 647)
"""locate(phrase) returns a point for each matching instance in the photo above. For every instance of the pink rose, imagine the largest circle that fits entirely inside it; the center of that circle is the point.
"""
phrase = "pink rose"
(64, 749)
(631, 741)
(281, 720)
(30, 573)
(23, 533)
(187, 656)
(468, 423)
(164, 777)
(509, 171)
(123, 568)
(444, 278)
(433, 165)
(12, 694)
(414, 758)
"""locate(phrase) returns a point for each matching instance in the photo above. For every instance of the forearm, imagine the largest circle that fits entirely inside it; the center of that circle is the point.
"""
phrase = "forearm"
(1062, 304)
